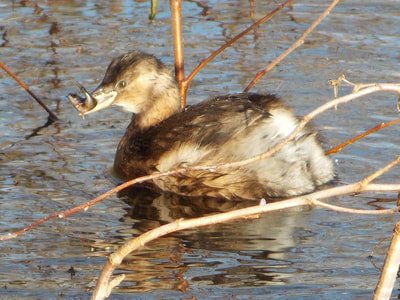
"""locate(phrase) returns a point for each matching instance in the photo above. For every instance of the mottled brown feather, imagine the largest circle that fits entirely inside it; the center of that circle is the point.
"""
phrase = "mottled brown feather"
(223, 129)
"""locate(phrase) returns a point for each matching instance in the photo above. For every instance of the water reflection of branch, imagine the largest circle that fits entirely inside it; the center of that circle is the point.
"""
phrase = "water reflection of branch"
(153, 9)
(52, 116)
(36, 131)
(371, 255)
(205, 8)
(296, 44)
(4, 37)
(377, 202)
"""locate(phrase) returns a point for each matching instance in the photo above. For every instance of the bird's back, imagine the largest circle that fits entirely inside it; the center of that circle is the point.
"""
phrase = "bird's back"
(225, 129)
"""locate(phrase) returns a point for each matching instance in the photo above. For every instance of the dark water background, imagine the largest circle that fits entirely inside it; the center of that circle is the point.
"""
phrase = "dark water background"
(299, 253)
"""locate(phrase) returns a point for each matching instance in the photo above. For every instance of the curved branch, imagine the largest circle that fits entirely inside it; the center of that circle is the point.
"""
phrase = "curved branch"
(116, 258)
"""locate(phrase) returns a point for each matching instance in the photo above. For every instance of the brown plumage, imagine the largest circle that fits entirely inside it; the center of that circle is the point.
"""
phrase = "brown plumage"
(227, 128)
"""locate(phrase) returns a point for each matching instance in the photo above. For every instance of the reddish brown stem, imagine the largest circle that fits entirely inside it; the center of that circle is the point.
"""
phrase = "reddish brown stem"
(52, 116)
(176, 19)
(204, 62)
(376, 128)
(296, 44)
(86, 205)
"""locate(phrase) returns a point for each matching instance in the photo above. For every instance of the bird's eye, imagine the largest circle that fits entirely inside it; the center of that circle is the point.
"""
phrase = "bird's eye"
(121, 84)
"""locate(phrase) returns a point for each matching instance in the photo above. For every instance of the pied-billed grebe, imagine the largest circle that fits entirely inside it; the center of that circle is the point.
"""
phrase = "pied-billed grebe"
(226, 128)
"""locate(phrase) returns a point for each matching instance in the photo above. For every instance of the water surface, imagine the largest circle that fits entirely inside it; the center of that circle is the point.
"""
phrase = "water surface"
(299, 253)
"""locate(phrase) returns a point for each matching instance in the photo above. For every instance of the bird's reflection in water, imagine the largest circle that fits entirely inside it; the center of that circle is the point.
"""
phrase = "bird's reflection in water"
(240, 253)
(168, 207)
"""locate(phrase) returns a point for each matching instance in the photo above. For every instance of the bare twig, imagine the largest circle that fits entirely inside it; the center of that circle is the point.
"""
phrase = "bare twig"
(390, 269)
(52, 116)
(378, 173)
(204, 62)
(352, 140)
(296, 44)
(176, 19)
(86, 205)
(114, 282)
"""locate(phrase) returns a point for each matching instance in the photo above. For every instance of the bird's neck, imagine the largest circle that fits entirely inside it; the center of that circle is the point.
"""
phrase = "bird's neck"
(161, 107)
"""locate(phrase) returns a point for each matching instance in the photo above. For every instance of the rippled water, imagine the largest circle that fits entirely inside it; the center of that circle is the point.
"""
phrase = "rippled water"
(299, 253)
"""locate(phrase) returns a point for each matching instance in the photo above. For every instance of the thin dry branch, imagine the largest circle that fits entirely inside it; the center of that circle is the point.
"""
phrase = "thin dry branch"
(352, 140)
(295, 45)
(204, 62)
(390, 269)
(378, 173)
(52, 116)
(268, 152)
(86, 205)
(115, 259)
